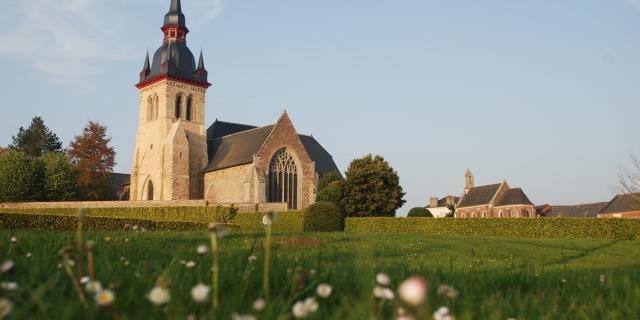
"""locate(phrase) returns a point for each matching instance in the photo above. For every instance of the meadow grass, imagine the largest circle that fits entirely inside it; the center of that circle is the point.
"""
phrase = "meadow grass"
(496, 278)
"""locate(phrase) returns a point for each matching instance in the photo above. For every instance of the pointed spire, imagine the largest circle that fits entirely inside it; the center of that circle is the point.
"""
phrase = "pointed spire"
(175, 17)
(201, 62)
(146, 66)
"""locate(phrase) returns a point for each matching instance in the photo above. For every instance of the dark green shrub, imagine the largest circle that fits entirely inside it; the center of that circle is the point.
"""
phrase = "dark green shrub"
(567, 228)
(290, 221)
(323, 217)
(419, 212)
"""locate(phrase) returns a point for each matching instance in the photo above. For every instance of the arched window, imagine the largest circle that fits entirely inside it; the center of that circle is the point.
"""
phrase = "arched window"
(188, 112)
(148, 194)
(484, 214)
(178, 107)
(500, 214)
(283, 179)
(156, 107)
(149, 108)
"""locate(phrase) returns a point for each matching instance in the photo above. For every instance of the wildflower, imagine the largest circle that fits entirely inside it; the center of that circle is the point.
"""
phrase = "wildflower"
(159, 295)
(383, 279)
(447, 292)
(603, 279)
(442, 314)
(135, 227)
(192, 316)
(5, 308)
(107, 239)
(202, 249)
(91, 244)
(9, 286)
(190, 264)
(104, 298)
(564, 280)
(93, 286)
(6, 266)
(28, 255)
(14, 239)
(413, 291)
(126, 263)
(383, 293)
(200, 293)
(311, 304)
(217, 229)
(324, 290)
(299, 310)
(259, 305)
(126, 240)
(84, 280)
(236, 316)
(252, 259)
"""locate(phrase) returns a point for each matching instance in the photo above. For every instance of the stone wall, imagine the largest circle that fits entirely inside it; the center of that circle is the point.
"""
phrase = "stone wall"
(227, 185)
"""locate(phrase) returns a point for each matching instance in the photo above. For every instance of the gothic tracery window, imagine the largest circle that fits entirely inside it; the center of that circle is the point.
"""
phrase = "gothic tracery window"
(282, 184)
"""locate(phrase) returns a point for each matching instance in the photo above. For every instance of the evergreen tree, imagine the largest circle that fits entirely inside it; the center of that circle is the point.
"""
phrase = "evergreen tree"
(59, 180)
(372, 188)
(36, 140)
(93, 160)
(21, 177)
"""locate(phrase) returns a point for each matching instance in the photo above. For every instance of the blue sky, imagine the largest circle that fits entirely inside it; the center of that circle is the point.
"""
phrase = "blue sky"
(544, 93)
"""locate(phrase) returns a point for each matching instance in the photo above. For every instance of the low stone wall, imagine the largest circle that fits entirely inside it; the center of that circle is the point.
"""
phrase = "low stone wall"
(242, 207)
(627, 215)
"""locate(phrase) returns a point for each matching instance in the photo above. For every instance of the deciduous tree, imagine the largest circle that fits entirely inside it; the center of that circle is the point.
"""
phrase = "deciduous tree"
(93, 160)
(36, 140)
(372, 188)
(331, 188)
(21, 177)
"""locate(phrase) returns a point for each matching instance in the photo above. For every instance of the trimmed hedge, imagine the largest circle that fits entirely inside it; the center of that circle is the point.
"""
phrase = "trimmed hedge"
(323, 216)
(185, 214)
(419, 212)
(95, 223)
(290, 221)
(623, 229)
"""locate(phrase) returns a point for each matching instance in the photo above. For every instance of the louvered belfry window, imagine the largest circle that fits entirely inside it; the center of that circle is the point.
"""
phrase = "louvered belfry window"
(283, 179)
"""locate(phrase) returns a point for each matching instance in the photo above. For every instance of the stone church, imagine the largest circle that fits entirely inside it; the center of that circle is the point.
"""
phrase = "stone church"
(228, 163)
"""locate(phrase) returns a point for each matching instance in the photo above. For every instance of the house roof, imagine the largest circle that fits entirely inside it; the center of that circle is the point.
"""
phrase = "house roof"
(233, 144)
(623, 203)
(581, 210)
(116, 183)
(479, 196)
(512, 197)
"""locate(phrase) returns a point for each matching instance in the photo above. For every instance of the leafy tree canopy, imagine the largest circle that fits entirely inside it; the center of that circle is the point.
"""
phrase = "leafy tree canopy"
(59, 179)
(331, 188)
(372, 188)
(36, 140)
(93, 160)
(21, 177)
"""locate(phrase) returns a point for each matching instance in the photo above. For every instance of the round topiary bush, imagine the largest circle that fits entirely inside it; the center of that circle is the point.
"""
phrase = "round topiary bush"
(323, 217)
(419, 212)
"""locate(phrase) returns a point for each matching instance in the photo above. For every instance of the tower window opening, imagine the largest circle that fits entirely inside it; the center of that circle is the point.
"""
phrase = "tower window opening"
(188, 111)
(178, 107)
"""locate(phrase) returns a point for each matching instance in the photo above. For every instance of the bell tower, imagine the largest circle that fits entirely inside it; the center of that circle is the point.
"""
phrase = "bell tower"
(171, 145)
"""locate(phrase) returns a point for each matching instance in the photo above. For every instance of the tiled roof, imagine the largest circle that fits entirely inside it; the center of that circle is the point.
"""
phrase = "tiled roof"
(512, 197)
(623, 203)
(479, 196)
(581, 210)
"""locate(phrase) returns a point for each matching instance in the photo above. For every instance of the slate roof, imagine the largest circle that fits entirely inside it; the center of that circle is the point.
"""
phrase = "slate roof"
(623, 203)
(582, 210)
(479, 196)
(236, 149)
(233, 144)
(443, 202)
(513, 197)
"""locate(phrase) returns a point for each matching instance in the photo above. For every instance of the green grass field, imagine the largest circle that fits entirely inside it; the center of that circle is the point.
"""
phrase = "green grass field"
(496, 278)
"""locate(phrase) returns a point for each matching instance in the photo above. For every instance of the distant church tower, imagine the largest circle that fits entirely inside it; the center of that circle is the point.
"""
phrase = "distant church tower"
(468, 181)
(171, 145)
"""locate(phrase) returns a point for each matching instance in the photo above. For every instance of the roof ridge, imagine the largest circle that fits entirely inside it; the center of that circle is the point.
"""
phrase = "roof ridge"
(241, 132)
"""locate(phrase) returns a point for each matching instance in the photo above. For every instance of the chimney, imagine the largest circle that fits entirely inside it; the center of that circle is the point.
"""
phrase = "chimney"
(433, 202)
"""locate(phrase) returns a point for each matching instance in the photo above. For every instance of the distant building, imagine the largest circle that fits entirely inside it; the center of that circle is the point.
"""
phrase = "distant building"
(622, 206)
(587, 210)
(493, 201)
(440, 208)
